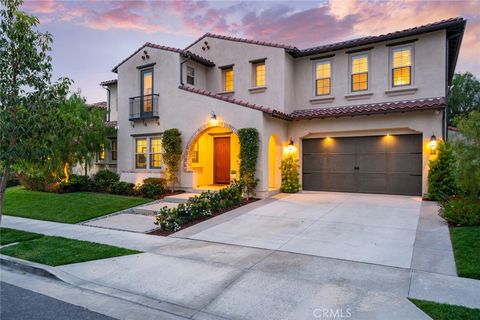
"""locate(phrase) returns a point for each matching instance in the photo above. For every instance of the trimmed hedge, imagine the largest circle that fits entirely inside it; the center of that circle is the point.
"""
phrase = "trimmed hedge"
(103, 180)
(290, 175)
(124, 188)
(205, 204)
(461, 211)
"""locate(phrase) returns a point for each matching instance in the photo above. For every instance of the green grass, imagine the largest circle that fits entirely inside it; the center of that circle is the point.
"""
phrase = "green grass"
(68, 207)
(11, 235)
(466, 247)
(440, 311)
(56, 251)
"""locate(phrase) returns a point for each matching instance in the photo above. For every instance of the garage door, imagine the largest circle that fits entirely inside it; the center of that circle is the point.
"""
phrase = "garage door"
(375, 164)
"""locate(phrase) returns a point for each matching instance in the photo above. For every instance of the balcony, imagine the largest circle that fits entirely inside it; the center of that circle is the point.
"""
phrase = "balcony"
(144, 107)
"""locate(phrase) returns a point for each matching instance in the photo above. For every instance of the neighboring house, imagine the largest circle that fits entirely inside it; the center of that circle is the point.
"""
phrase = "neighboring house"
(360, 113)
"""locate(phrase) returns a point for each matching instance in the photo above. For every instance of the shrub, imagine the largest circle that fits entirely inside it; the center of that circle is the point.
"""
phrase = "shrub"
(172, 152)
(123, 188)
(151, 190)
(467, 151)
(37, 183)
(249, 147)
(77, 183)
(159, 181)
(103, 180)
(461, 211)
(290, 175)
(205, 204)
(441, 176)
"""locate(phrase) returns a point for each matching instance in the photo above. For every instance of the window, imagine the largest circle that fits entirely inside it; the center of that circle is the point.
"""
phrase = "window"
(402, 66)
(323, 78)
(155, 153)
(195, 153)
(101, 155)
(359, 80)
(147, 90)
(259, 69)
(141, 153)
(114, 149)
(228, 79)
(190, 75)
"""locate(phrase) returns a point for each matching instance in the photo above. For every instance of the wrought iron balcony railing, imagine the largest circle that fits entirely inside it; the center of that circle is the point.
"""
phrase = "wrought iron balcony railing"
(144, 107)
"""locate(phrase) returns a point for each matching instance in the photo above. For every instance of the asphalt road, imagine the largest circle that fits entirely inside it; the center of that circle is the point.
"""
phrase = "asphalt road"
(19, 304)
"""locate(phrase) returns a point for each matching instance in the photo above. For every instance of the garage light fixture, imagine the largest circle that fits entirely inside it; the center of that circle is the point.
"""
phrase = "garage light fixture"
(433, 144)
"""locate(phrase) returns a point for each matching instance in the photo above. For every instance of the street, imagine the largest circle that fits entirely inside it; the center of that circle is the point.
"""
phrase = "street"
(18, 303)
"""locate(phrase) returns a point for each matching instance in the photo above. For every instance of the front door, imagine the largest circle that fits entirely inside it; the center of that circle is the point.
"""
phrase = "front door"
(221, 160)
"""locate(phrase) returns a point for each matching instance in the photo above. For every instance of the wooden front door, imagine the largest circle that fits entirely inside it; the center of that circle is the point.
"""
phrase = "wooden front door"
(221, 160)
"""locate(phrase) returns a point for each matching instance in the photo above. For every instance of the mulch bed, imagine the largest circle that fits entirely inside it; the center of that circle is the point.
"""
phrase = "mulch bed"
(165, 233)
(169, 193)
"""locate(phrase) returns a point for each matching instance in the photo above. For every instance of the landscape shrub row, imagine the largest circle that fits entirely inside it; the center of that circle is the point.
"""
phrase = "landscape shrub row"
(205, 204)
(109, 182)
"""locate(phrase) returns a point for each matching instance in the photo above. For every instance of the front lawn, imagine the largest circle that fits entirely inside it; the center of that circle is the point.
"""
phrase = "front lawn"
(466, 247)
(56, 251)
(11, 235)
(440, 311)
(67, 207)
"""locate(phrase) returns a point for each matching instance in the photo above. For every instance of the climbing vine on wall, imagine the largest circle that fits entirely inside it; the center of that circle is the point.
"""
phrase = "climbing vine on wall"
(249, 147)
(172, 152)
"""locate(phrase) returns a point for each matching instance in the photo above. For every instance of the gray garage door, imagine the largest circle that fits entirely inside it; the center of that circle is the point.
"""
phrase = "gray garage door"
(376, 164)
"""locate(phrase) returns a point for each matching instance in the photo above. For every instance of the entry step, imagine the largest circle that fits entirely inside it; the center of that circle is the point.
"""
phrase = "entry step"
(180, 198)
(154, 208)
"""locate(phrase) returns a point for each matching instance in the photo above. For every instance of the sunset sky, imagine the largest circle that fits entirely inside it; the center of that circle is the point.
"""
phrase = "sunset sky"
(90, 37)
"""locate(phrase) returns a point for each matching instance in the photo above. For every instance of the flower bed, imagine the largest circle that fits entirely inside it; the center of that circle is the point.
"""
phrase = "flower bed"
(206, 204)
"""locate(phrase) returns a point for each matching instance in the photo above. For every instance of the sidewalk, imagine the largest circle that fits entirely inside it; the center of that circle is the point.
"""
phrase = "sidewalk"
(206, 280)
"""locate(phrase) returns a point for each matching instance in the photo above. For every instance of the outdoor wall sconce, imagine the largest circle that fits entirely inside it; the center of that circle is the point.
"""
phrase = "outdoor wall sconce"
(213, 119)
(433, 144)
(291, 149)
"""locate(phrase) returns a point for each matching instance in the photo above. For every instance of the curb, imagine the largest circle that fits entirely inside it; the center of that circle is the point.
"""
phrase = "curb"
(30, 267)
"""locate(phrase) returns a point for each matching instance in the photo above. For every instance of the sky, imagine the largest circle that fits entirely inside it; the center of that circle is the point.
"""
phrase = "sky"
(91, 37)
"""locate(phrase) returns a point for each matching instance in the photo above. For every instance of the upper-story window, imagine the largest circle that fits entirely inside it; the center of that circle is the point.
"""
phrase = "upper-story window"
(228, 79)
(323, 78)
(259, 74)
(146, 88)
(190, 75)
(359, 72)
(401, 66)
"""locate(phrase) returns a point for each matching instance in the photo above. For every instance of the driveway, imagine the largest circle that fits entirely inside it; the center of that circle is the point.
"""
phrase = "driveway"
(378, 229)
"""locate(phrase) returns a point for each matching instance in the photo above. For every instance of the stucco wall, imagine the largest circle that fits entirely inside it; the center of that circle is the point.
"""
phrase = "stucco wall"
(428, 74)
(113, 102)
(426, 123)
(224, 52)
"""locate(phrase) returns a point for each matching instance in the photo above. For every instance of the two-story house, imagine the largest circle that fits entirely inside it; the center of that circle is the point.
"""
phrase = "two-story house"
(361, 115)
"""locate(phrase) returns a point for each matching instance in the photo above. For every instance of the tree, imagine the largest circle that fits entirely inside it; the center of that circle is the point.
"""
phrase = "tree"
(172, 152)
(464, 96)
(28, 99)
(467, 153)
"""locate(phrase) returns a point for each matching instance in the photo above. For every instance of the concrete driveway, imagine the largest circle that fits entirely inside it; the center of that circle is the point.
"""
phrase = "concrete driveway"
(378, 229)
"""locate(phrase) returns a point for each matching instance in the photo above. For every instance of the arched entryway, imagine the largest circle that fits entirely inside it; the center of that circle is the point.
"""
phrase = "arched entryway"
(212, 157)
(274, 159)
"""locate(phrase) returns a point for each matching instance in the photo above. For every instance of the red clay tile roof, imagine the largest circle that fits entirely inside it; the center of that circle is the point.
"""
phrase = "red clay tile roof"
(102, 104)
(108, 82)
(184, 53)
(261, 43)
(270, 111)
(369, 109)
